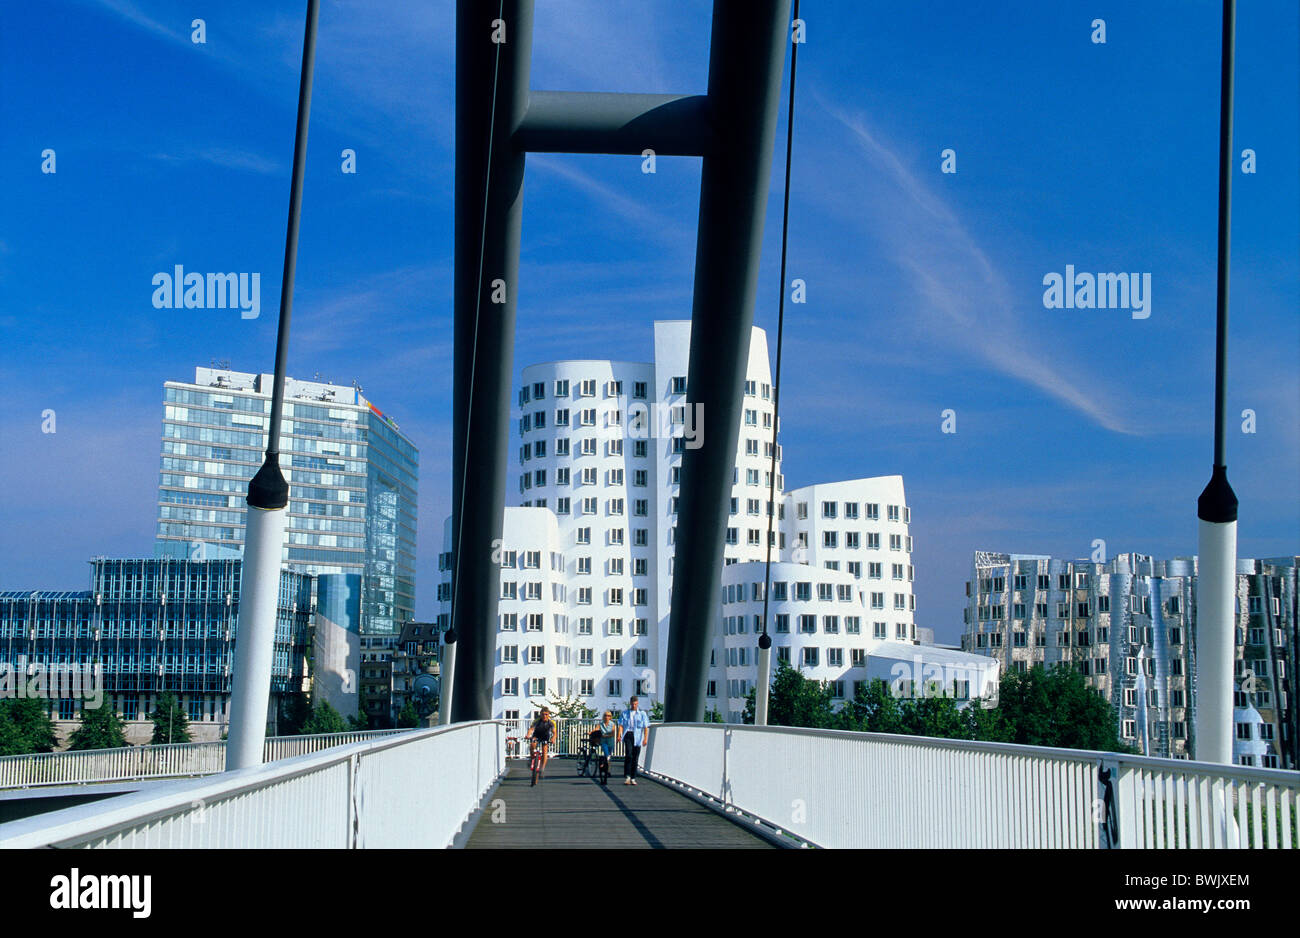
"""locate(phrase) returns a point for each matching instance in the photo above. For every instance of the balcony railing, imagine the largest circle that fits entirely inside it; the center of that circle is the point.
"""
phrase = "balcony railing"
(164, 761)
(837, 789)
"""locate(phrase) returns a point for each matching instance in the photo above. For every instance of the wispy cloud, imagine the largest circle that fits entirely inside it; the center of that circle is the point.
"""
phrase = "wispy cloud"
(381, 310)
(963, 298)
(638, 211)
(227, 159)
(133, 14)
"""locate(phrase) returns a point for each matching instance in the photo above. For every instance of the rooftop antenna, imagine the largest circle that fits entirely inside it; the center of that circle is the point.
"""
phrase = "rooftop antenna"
(268, 492)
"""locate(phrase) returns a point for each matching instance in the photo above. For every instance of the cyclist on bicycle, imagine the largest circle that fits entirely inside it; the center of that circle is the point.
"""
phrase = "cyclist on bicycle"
(542, 732)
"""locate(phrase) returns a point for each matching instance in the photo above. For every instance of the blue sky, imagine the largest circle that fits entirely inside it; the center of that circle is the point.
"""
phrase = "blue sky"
(925, 289)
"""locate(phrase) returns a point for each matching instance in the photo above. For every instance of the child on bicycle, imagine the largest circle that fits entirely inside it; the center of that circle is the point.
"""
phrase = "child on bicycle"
(542, 732)
(608, 729)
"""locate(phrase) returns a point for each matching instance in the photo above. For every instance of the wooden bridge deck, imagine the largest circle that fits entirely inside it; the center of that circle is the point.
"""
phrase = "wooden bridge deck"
(566, 810)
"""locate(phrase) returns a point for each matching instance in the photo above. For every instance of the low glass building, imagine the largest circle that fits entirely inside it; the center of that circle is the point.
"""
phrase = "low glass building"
(147, 626)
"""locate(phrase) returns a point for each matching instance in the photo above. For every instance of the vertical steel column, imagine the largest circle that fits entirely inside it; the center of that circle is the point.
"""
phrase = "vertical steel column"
(268, 492)
(746, 56)
(491, 97)
(1216, 509)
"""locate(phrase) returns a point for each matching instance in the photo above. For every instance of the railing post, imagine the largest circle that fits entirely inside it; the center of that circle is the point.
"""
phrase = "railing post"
(726, 778)
(354, 811)
(1106, 809)
(1118, 820)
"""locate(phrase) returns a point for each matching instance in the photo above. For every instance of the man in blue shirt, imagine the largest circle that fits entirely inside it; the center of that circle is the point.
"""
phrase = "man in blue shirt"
(635, 724)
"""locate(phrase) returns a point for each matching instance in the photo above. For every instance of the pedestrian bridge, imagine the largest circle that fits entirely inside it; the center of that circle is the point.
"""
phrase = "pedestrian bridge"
(704, 785)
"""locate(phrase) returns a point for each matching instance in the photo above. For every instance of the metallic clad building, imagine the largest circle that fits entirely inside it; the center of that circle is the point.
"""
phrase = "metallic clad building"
(1129, 626)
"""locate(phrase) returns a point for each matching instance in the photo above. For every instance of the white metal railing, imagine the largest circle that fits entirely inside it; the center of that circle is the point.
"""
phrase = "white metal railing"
(840, 789)
(570, 734)
(1168, 803)
(415, 788)
(162, 761)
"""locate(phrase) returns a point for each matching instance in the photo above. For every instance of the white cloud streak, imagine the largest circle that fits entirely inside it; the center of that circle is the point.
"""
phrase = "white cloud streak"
(963, 298)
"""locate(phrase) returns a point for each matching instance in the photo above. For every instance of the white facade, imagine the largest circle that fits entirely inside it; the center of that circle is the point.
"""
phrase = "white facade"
(600, 450)
(844, 587)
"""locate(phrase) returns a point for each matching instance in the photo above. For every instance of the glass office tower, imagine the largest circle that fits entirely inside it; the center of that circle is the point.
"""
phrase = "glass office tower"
(352, 482)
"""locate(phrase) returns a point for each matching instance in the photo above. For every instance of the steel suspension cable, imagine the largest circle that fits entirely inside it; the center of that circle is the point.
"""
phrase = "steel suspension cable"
(764, 640)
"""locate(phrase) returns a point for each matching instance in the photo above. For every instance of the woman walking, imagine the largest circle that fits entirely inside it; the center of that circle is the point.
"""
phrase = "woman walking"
(608, 728)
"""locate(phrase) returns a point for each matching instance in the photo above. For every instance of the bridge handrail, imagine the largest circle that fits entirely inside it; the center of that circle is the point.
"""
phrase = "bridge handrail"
(287, 803)
(571, 733)
(163, 760)
(835, 788)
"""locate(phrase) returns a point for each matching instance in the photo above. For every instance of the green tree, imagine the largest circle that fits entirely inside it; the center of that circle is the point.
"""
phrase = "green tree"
(408, 717)
(567, 708)
(934, 714)
(794, 701)
(713, 716)
(657, 712)
(100, 729)
(324, 719)
(12, 742)
(358, 723)
(872, 709)
(295, 710)
(170, 724)
(986, 723)
(25, 726)
(1056, 707)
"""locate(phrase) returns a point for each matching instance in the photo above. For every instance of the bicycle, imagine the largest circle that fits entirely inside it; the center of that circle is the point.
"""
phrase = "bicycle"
(535, 761)
(593, 757)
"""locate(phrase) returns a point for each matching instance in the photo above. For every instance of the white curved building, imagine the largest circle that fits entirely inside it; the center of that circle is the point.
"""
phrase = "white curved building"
(600, 451)
(844, 587)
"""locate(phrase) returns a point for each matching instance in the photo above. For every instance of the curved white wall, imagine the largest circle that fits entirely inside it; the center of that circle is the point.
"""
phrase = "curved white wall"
(611, 519)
